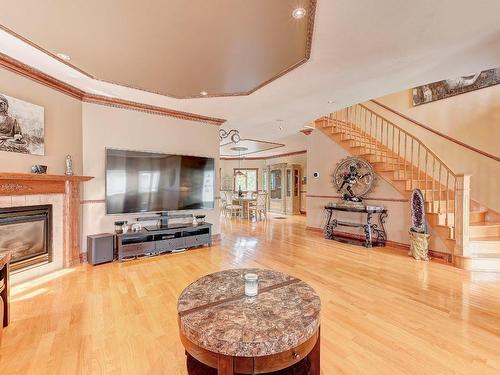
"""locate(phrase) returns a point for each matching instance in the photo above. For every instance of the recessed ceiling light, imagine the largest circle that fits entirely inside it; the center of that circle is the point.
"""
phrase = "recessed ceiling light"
(298, 13)
(281, 127)
(331, 101)
(63, 56)
(203, 93)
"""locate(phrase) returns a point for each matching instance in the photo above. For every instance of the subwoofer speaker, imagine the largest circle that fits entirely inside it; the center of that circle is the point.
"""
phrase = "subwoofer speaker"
(100, 248)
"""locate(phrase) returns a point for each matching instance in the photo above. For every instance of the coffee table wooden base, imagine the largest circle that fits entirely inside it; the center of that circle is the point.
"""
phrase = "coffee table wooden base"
(227, 365)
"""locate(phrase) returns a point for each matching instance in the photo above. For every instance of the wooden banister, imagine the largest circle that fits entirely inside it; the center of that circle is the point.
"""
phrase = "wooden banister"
(428, 128)
(400, 151)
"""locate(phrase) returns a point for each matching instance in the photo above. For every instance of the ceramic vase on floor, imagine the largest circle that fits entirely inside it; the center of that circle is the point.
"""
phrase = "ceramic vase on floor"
(419, 245)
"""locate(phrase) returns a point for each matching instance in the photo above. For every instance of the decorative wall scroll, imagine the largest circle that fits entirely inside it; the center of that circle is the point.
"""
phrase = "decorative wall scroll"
(456, 86)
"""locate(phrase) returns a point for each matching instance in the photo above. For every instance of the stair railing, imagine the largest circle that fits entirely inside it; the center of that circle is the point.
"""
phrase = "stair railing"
(409, 157)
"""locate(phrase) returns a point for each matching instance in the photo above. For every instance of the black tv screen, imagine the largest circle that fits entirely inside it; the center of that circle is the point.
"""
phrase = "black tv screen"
(149, 182)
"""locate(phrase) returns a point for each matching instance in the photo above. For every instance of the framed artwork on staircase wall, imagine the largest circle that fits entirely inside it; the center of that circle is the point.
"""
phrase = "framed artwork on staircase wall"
(455, 86)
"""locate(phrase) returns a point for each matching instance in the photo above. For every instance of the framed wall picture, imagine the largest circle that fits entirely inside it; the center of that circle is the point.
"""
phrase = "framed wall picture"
(21, 126)
(456, 86)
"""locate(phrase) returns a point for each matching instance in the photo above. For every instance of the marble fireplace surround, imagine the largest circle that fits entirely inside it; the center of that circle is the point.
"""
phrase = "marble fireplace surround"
(63, 193)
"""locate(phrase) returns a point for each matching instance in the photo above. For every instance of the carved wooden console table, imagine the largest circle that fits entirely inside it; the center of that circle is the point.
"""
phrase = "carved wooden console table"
(225, 333)
(27, 184)
(370, 229)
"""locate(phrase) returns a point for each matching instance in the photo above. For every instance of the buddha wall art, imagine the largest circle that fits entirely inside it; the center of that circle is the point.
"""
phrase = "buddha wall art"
(21, 126)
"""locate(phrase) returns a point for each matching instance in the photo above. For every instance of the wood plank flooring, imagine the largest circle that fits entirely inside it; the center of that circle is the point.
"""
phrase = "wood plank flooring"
(382, 312)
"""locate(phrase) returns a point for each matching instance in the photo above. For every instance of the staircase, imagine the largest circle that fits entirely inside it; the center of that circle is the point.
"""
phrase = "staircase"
(407, 163)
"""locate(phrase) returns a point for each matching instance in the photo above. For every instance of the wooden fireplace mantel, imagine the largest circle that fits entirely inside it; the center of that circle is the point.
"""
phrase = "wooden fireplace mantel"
(28, 184)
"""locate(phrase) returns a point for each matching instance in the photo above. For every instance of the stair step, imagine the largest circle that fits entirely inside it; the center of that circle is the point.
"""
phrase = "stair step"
(411, 185)
(478, 216)
(485, 245)
(479, 262)
(435, 207)
(431, 195)
(484, 230)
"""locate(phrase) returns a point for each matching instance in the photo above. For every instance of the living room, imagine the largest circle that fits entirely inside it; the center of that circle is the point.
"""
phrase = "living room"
(235, 188)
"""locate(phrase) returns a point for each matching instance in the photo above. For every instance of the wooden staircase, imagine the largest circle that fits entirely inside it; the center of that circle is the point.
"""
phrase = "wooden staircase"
(407, 163)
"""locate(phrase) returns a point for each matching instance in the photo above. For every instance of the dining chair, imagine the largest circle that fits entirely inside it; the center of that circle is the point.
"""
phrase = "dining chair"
(259, 209)
(231, 209)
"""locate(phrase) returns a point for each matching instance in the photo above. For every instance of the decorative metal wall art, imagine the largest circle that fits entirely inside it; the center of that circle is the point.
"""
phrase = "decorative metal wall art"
(354, 178)
(233, 135)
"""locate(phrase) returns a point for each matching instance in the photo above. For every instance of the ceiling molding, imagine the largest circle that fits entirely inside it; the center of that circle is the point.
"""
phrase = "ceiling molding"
(267, 157)
(272, 146)
(38, 76)
(309, 35)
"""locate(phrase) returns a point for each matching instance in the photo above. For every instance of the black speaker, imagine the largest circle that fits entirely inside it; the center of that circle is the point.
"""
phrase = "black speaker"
(100, 248)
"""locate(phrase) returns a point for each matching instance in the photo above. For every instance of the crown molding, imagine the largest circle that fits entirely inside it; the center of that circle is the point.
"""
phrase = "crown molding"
(40, 77)
(267, 157)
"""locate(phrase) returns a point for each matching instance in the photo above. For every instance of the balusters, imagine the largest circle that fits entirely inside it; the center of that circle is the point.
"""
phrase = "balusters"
(440, 186)
(425, 174)
(447, 194)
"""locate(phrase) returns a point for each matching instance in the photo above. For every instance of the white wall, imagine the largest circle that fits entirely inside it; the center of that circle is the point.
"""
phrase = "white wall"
(125, 129)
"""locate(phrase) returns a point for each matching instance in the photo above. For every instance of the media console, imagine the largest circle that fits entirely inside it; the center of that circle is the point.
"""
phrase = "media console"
(150, 241)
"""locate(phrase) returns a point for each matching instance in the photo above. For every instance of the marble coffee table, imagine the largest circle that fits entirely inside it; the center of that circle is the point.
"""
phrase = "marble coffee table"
(222, 328)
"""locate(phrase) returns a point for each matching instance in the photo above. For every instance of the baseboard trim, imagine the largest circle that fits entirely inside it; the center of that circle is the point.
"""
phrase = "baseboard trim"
(441, 256)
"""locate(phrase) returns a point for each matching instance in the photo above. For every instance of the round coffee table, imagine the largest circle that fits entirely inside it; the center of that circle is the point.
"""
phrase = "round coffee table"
(222, 328)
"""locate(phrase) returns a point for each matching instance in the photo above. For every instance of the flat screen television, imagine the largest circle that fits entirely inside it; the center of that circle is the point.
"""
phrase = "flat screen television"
(151, 182)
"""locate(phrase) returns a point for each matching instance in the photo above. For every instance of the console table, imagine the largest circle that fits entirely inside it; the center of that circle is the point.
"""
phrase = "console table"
(370, 229)
(225, 332)
(163, 239)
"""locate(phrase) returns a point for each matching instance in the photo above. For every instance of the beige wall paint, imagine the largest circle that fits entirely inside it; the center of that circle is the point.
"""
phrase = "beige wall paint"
(473, 118)
(118, 128)
(323, 154)
(63, 126)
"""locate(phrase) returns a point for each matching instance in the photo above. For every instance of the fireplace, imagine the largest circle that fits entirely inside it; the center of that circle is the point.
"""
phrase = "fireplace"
(27, 232)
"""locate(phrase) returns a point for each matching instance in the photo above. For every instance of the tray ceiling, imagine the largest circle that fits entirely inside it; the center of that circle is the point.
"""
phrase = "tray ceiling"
(177, 48)
(247, 147)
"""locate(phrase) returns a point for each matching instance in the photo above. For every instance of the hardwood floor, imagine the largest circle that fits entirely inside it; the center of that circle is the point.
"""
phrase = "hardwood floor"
(382, 312)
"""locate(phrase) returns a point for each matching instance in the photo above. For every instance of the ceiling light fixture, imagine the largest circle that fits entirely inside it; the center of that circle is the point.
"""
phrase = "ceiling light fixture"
(63, 56)
(298, 13)
(331, 101)
(281, 127)
(203, 93)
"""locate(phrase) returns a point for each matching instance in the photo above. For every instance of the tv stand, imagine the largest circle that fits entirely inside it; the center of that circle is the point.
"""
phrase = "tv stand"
(164, 239)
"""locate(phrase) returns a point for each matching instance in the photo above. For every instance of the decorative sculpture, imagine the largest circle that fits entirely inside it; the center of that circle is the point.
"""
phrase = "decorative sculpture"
(419, 237)
(354, 178)
(69, 166)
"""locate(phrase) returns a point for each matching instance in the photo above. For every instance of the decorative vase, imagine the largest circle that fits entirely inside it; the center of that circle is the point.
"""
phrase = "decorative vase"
(419, 245)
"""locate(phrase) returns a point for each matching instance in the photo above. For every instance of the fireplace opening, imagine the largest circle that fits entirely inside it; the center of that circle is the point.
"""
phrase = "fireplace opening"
(27, 233)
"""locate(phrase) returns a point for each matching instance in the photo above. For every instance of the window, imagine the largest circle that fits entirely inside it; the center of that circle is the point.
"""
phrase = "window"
(246, 181)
